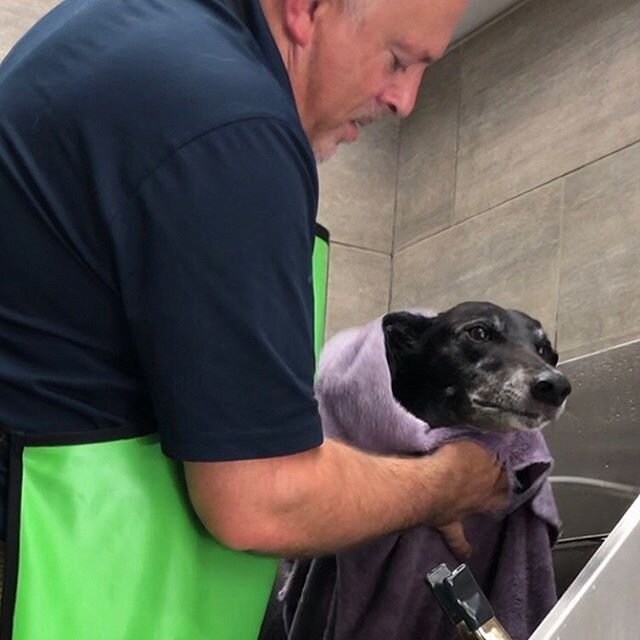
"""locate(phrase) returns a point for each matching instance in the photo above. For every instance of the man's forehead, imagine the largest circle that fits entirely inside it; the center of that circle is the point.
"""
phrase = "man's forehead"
(423, 26)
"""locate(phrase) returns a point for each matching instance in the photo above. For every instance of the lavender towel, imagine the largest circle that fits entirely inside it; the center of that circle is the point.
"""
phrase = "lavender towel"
(376, 591)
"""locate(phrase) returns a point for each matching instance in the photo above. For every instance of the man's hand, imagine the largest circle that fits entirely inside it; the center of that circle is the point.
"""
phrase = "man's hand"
(475, 482)
(478, 483)
(453, 535)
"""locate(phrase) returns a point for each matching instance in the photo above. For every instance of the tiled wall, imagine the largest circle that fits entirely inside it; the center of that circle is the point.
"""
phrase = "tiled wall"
(519, 173)
(518, 181)
(357, 204)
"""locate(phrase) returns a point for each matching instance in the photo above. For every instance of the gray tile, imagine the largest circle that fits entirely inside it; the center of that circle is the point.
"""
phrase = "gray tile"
(598, 436)
(16, 16)
(358, 287)
(358, 186)
(600, 269)
(509, 255)
(599, 345)
(427, 158)
(553, 86)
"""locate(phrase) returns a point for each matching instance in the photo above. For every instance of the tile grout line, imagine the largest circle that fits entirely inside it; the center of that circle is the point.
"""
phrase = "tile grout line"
(560, 255)
(526, 192)
(346, 245)
(452, 215)
(395, 219)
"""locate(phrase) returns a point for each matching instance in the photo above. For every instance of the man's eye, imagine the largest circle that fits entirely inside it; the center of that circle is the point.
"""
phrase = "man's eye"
(478, 334)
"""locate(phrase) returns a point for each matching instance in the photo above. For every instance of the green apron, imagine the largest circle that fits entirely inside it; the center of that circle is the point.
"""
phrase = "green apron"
(102, 543)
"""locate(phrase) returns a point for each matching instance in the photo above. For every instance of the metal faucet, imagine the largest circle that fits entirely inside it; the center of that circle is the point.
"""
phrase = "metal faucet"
(465, 603)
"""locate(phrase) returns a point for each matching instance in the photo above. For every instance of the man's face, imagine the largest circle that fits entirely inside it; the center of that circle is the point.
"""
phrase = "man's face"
(361, 66)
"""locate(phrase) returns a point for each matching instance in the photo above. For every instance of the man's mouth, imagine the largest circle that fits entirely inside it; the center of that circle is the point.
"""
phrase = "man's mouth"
(356, 125)
(363, 122)
(352, 131)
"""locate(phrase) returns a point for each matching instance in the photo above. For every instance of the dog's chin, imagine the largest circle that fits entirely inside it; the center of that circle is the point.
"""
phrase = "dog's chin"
(491, 417)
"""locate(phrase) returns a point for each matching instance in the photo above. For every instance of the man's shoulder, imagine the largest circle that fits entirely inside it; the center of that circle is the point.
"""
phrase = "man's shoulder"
(197, 71)
(184, 61)
(134, 82)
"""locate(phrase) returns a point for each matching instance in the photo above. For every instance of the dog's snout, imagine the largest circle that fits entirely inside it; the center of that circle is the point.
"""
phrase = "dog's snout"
(551, 388)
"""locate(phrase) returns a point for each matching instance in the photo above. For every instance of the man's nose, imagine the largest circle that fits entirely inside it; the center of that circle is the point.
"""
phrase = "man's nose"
(400, 97)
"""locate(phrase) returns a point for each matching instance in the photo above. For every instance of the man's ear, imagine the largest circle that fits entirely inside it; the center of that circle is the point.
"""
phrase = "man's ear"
(403, 335)
(299, 18)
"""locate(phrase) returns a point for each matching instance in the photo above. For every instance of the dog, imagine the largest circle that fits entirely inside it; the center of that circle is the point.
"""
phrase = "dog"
(476, 364)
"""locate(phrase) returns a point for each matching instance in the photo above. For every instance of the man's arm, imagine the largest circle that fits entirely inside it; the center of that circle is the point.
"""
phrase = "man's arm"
(334, 496)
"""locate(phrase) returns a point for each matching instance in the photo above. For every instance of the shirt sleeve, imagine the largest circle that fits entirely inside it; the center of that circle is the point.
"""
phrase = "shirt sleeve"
(214, 260)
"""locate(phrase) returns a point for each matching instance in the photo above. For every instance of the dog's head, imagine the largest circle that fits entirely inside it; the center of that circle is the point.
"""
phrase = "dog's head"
(476, 364)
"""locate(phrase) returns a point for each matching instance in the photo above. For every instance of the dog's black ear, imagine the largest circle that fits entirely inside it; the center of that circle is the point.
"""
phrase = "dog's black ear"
(403, 335)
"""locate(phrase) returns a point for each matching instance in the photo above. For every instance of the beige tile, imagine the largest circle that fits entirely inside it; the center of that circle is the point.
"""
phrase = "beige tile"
(597, 346)
(358, 287)
(597, 435)
(509, 256)
(600, 269)
(357, 189)
(427, 158)
(16, 16)
(553, 86)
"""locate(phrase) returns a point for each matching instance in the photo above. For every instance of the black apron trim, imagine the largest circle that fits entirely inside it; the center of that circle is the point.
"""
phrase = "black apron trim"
(322, 232)
(12, 543)
(78, 437)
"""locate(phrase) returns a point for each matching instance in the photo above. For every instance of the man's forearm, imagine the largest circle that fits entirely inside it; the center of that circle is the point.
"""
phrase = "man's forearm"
(335, 496)
(338, 496)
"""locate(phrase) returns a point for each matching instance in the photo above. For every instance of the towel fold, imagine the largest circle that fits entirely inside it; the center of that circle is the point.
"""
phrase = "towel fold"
(376, 590)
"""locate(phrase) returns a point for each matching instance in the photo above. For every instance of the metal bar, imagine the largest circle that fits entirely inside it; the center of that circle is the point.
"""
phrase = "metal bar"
(603, 600)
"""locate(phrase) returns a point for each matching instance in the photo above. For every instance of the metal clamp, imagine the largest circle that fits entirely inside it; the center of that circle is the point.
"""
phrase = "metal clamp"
(465, 604)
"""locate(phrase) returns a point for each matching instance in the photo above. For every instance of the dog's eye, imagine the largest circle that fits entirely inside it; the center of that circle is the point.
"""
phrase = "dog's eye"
(478, 334)
(543, 350)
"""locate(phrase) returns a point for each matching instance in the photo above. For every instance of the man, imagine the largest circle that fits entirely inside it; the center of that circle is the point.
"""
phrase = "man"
(158, 195)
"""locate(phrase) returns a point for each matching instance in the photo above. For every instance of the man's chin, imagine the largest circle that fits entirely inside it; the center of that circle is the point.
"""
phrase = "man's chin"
(322, 155)
(325, 147)
(325, 150)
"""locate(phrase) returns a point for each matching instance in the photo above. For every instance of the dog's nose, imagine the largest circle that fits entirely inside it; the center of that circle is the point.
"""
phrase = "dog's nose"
(551, 388)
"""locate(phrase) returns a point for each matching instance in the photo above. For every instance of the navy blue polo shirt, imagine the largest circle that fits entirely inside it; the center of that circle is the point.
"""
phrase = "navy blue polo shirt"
(157, 206)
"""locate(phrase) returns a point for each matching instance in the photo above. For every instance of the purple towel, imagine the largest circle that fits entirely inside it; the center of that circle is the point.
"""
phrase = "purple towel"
(376, 590)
